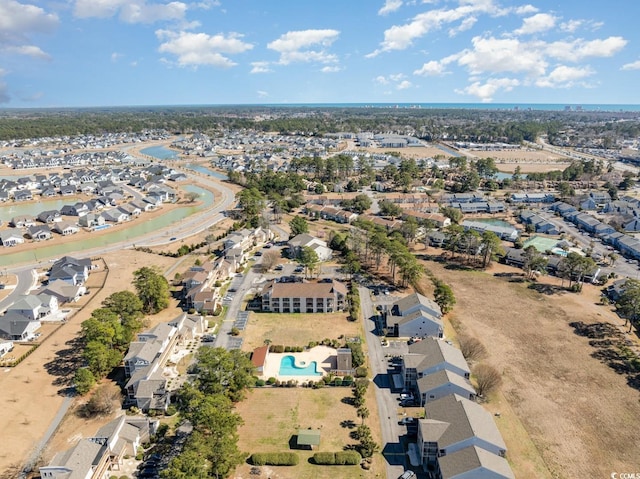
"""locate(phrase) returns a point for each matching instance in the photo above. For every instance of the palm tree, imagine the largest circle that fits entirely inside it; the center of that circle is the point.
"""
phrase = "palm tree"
(363, 413)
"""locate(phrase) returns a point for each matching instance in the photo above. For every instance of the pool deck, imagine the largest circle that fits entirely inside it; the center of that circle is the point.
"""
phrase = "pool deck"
(324, 356)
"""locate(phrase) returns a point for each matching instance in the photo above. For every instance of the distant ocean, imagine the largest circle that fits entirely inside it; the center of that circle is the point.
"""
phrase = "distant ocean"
(460, 106)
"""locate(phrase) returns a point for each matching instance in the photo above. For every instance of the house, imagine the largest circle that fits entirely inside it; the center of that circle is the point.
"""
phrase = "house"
(34, 307)
(454, 423)
(443, 383)
(322, 297)
(71, 270)
(473, 463)
(49, 216)
(305, 240)
(22, 221)
(11, 237)
(416, 302)
(63, 291)
(115, 215)
(39, 232)
(91, 219)
(15, 327)
(87, 460)
(429, 356)
(417, 324)
(65, 229)
(93, 457)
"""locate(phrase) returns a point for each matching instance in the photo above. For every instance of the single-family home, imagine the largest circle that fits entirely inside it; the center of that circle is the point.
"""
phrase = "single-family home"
(16, 327)
(63, 291)
(11, 237)
(34, 306)
(91, 219)
(39, 232)
(72, 270)
(6, 347)
(65, 228)
(115, 215)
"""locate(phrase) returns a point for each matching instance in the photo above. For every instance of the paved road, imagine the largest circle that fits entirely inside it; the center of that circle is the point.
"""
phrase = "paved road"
(387, 404)
(26, 280)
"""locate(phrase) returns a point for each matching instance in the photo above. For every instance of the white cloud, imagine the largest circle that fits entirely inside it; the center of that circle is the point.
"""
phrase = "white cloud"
(564, 77)
(485, 92)
(194, 49)
(430, 69)
(115, 56)
(580, 49)
(294, 46)
(260, 67)
(28, 50)
(495, 55)
(396, 80)
(465, 25)
(540, 22)
(390, 6)
(525, 10)
(262, 93)
(631, 66)
(22, 19)
(400, 37)
(330, 69)
(130, 11)
(18, 21)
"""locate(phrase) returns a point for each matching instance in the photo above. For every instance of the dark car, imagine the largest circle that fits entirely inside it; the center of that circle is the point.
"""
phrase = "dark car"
(406, 420)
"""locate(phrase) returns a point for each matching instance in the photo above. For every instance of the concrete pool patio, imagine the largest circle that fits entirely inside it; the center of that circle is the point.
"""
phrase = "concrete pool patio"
(324, 357)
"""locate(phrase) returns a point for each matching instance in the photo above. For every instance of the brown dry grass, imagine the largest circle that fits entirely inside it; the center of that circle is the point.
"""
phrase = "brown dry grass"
(272, 415)
(563, 411)
(291, 329)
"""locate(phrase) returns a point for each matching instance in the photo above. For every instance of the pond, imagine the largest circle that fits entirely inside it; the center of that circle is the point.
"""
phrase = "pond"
(493, 222)
(161, 152)
(136, 228)
(207, 171)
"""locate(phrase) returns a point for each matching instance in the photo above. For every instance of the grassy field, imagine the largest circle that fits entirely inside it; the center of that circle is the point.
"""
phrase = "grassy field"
(273, 415)
(293, 329)
(563, 409)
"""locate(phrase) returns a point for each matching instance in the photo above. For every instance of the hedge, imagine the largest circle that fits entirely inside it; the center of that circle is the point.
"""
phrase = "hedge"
(274, 459)
(341, 458)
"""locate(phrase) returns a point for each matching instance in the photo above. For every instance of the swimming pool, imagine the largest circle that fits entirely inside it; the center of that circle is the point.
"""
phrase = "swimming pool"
(101, 227)
(288, 367)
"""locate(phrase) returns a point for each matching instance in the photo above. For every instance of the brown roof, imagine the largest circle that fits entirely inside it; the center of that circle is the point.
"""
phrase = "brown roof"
(259, 356)
(307, 290)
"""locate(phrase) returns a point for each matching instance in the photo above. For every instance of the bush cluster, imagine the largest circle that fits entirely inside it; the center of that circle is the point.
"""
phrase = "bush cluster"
(340, 458)
(274, 459)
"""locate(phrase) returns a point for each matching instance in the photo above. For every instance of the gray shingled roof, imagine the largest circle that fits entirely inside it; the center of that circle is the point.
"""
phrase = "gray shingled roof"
(467, 419)
(439, 378)
(472, 459)
(434, 352)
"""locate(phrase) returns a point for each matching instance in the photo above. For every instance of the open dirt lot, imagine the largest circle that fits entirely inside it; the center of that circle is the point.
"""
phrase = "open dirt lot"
(296, 329)
(565, 412)
(273, 415)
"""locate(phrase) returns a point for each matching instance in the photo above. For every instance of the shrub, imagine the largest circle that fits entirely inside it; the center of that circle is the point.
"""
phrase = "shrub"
(271, 381)
(287, 349)
(278, 348)
(171, 410)
(274, 459)
(260, 382)
(235, 331)
(361, 372)
(337, 382)
(348, 458)
(324, 458)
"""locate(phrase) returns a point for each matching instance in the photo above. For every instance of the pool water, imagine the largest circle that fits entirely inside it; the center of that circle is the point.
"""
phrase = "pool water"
(288, 368)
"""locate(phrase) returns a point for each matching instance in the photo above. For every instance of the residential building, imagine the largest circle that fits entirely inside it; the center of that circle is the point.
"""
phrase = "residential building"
(320, 297)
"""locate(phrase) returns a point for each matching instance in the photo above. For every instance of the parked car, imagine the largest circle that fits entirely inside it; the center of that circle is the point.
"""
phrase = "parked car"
(407, 475)
(406, 420)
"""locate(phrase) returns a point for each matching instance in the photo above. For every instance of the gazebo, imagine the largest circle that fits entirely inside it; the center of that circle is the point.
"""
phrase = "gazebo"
(308, 438)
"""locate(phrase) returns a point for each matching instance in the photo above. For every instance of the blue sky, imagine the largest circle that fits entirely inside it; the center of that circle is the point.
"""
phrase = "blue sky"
(68, 53)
